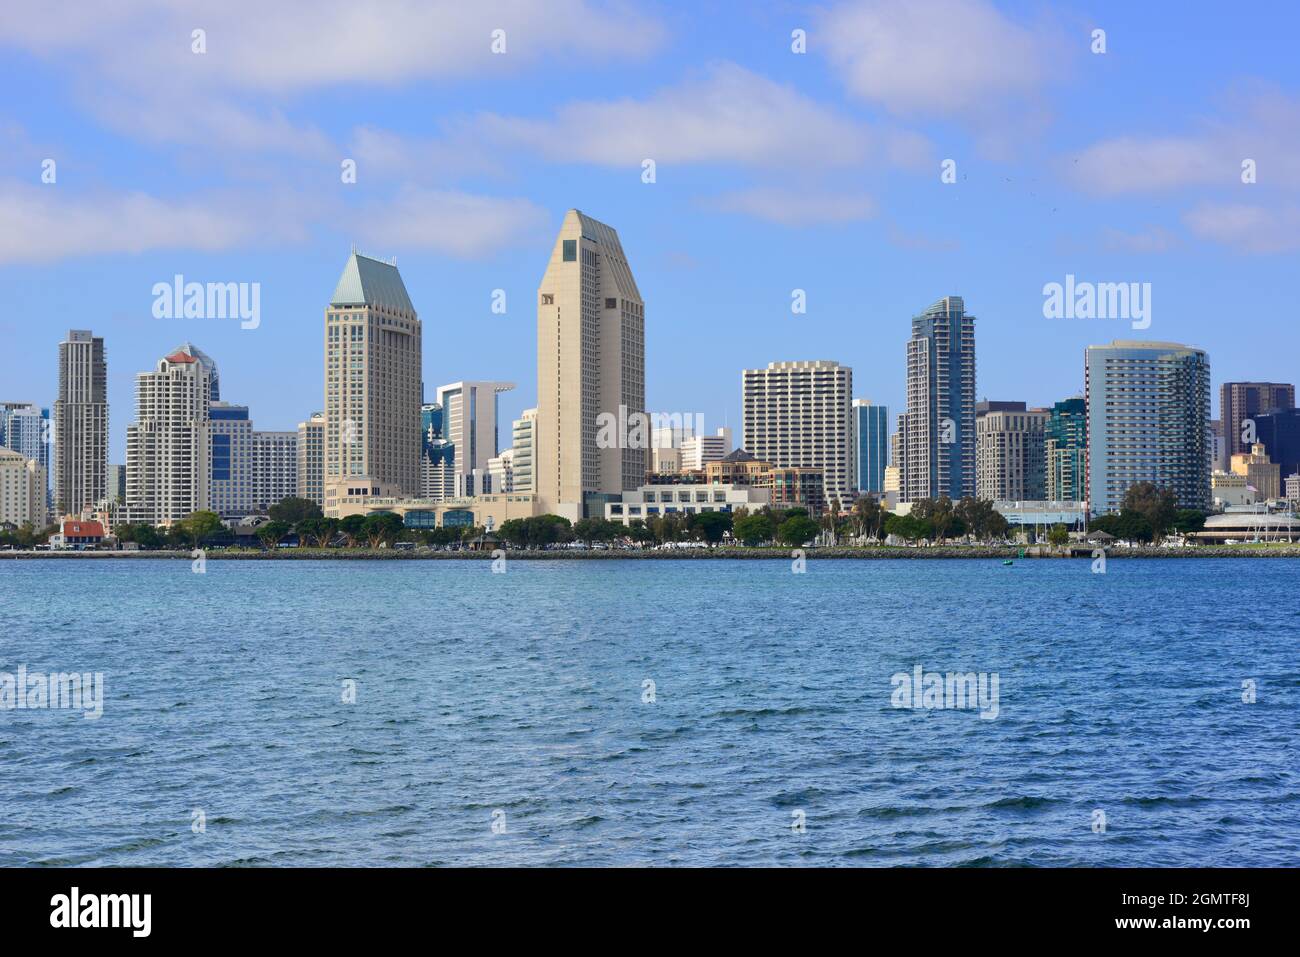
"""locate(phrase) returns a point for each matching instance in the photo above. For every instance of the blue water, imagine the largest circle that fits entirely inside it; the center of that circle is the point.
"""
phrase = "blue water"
(521, 693)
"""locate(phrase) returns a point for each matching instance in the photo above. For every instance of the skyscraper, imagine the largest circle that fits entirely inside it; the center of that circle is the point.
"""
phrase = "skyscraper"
(871, 436)
(372, 379)
(937, 441)
(1279, 433)
(311, 458)
(469, 414)
(1009, 452)
(1148, 421)
(800, 415)
(1239, 401)
(1065, 450)
(169, 446)
(590, 361)
(81, 423)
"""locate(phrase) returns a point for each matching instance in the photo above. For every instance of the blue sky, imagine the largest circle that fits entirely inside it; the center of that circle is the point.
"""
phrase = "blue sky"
(775, 171)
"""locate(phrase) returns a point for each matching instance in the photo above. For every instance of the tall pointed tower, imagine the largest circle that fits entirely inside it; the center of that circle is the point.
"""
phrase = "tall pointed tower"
(590, 360)
(372, 380)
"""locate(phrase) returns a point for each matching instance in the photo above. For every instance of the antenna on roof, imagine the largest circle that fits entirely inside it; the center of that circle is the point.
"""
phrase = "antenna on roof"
(354, 249)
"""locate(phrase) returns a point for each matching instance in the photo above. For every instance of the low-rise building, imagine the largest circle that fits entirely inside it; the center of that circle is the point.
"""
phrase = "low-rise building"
(652, 501)
(1261, 472)
(77, 534)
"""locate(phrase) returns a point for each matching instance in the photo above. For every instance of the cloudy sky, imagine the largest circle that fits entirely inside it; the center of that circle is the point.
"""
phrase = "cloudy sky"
(775, 170)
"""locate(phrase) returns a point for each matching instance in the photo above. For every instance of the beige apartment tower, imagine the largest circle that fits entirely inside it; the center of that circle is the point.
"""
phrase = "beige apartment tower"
(372, 379)
(311, 458)
(169, 445)
(590, 362)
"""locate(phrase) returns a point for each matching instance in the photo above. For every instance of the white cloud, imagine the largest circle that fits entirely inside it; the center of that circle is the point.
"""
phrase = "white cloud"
(932, 56)
(297, 45)
(795, 208)
(1259, 124)
(1247, 228)
(1154, 239)
(729, 115)
(56, 224)
(459, 224)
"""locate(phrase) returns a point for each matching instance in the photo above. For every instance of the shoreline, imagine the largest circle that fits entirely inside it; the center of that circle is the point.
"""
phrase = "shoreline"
(865, 553)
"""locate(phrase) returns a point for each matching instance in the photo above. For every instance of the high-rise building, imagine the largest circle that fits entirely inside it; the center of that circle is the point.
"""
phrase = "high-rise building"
(437, 455)
(311, 458)
(699, 450)
(169, 446)
(372, 379)
(871, 436)
(937, 441)
(1148, 421)
(524, 446)
(22, 490)
(1279, 433)
(1065, 448)
(230, 492)
(275, 468)
(81, 424)
(25, 428)
(590, 362)
(1239, 401)
(1010, 464)
(800, 415)
(469, 416)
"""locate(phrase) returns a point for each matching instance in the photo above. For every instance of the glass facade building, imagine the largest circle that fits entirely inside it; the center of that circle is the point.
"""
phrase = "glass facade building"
(871, 429)
(1066, 446)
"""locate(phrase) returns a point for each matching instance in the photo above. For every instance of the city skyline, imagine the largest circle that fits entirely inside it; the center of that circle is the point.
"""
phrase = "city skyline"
(1084, 184)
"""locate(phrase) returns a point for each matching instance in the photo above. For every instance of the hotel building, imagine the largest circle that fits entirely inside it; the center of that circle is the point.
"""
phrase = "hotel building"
(372, 380)
(1148, 421)
(800, 415)
(590, 360)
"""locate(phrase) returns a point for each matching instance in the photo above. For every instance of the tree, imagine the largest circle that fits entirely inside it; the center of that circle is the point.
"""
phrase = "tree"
(382, 528)
(710, 526)
(753, 529)
(797, 530)
(316, 531)
(270, 533)
(596, 530)
(197, 526)
(868, 517)
(351, 528)
(1059, 535)
(1189, 520)
(293, 510)
(537, 531)
(1159, 506)
(638, 532)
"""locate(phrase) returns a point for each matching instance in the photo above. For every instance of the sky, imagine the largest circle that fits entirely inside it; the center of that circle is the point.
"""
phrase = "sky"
(220, 156)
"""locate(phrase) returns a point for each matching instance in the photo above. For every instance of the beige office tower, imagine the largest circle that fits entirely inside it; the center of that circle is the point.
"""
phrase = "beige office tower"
(169, 446)
(372, 379)
(800, 415)
(590, 364)
(311, 458)
(81, 424)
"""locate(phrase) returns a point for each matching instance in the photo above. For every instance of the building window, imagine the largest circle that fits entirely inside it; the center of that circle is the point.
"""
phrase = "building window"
(570, 250)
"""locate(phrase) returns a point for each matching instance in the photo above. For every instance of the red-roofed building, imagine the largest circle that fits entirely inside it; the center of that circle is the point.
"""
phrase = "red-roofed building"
(77, 534)
(181, 357)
